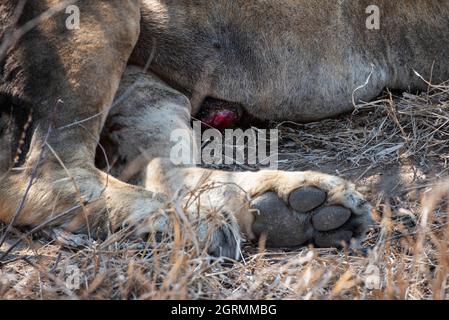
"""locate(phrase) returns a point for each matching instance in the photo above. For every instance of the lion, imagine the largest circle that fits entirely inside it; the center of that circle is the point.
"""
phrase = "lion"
(134, 71)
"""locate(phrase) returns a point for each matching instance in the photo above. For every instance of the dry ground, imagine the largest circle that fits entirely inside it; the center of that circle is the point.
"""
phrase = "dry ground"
(396, 149)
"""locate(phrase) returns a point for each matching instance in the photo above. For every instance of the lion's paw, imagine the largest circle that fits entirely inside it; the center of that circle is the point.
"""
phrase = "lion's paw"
(328, 213)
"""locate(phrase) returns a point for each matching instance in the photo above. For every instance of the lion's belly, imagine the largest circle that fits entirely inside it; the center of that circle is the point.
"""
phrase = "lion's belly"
(299, 78)
(302, 90)
(297, 60)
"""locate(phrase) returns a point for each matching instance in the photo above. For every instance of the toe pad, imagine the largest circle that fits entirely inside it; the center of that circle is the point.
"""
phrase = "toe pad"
(330, 218)
(306, 199)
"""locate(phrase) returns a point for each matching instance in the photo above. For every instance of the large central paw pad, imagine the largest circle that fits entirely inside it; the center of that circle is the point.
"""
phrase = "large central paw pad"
(309, 216)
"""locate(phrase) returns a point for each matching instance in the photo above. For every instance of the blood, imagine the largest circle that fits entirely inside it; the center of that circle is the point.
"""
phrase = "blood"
(219, 114)
(220, 120)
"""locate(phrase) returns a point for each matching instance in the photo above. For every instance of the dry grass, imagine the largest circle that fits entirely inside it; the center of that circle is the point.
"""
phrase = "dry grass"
(388, 131)
(395, 148)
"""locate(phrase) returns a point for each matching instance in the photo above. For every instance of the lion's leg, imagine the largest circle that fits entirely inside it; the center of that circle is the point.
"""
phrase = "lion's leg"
(291, 208)
(68, 79)
(61, 77)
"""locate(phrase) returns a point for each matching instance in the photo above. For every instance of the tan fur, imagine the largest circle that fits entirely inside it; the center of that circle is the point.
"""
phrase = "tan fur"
(296, 60)
(299, 60)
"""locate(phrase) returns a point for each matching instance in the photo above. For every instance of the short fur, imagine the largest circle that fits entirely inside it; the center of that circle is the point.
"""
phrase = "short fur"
(298, 60)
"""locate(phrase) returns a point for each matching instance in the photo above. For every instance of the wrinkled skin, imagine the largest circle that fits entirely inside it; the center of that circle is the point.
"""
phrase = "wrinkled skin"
(296, 60)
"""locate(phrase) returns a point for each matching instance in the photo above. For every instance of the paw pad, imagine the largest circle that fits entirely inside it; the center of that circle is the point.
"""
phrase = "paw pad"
(283, 227)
